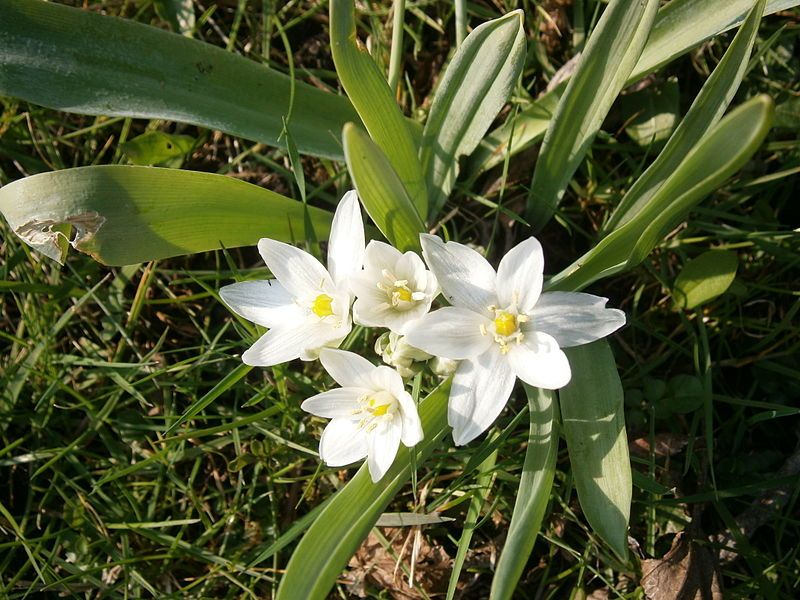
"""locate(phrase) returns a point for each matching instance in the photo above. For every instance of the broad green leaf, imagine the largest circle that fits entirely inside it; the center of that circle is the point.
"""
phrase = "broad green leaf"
(651, 113)
(679, 26)
(84, 62)
(593, 418)
(347, 519)
(474, 87)
(706, 110)
(122, 215)
(373, 99)
(704, 278)
(722, 152)
(156, 147)
(606, 63)
(381, 191)
(538, 472)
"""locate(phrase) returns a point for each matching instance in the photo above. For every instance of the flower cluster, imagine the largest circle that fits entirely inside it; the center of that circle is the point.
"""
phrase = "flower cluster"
(499, 326)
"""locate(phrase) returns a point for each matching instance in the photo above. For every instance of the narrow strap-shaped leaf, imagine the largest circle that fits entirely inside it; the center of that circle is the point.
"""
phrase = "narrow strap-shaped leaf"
(381, 191)
(679, 26)
(84, 62)
(473, 89)
(683, 24)
(722, 152)
(123, 215)
(610, 55)
(535, 486)
(347, 519)
(373, 99)
(706, 110)
(483, 483)
(593, 418)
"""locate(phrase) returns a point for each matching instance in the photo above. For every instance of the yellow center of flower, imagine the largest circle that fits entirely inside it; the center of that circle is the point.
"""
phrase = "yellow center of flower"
(377, 408)
(403, 293)
(322, 306)
(505, 323)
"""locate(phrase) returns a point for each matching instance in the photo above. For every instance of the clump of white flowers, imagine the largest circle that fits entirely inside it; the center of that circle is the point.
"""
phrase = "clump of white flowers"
(499, 326)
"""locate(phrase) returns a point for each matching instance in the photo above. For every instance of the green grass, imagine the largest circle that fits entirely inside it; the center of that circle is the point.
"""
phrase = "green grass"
(100, 499)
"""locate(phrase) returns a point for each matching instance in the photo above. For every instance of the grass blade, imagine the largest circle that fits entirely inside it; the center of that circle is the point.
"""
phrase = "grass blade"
(347, 519)
(533, 495)
(375, 103)
(606, 64)
(123, 215)
(593, 418)
(473, 89)
(722, 152)
(123, 68)
(381, 191)
(706, 110)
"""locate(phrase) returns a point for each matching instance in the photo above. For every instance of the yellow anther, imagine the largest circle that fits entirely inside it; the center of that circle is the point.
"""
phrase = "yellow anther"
(322, 306)
(505, 323)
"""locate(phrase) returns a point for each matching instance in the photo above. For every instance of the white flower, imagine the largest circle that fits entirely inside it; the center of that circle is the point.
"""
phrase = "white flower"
(502, 327)
(371, 413)
(393, 290)
(306, 307)
(396, 352)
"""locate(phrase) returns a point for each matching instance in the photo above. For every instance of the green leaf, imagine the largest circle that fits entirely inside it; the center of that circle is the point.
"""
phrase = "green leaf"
(593, 418)
(375, 103)
(474, 87)
(704, 278)
(347, 519)
(679, 26)
(606, 63)
(178, 13)
(721, 152)
(683, 24)
(706, 110)
(381, 191)
(122, 215)
(483, 484)
(156, 147)
(651, 113)
(538, 472)
(84, 62)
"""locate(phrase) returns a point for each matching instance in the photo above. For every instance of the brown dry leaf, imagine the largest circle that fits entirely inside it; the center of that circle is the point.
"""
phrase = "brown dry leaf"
(688, 571)
(665, 444)
(374, 565)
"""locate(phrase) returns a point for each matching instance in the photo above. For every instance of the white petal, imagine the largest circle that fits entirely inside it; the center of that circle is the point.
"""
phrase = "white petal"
(574, 318)
(341, 402)
(478, 394)
(520, 276)
(412, 426)
(451, 332)
(346, 242)
(383, 444)
(402, 322)
(264, 302)
(347, 368)
(379, 256)
(301, 274)
(282, 344)
(539, 362)
(342, 443)
(387, 379)
(466, 278)
(328, 337)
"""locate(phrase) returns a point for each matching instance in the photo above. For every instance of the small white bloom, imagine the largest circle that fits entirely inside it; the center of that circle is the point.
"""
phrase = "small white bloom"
(370, 414)
(396, 352)
(393, 290)
(502, 327)
(306, 307)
